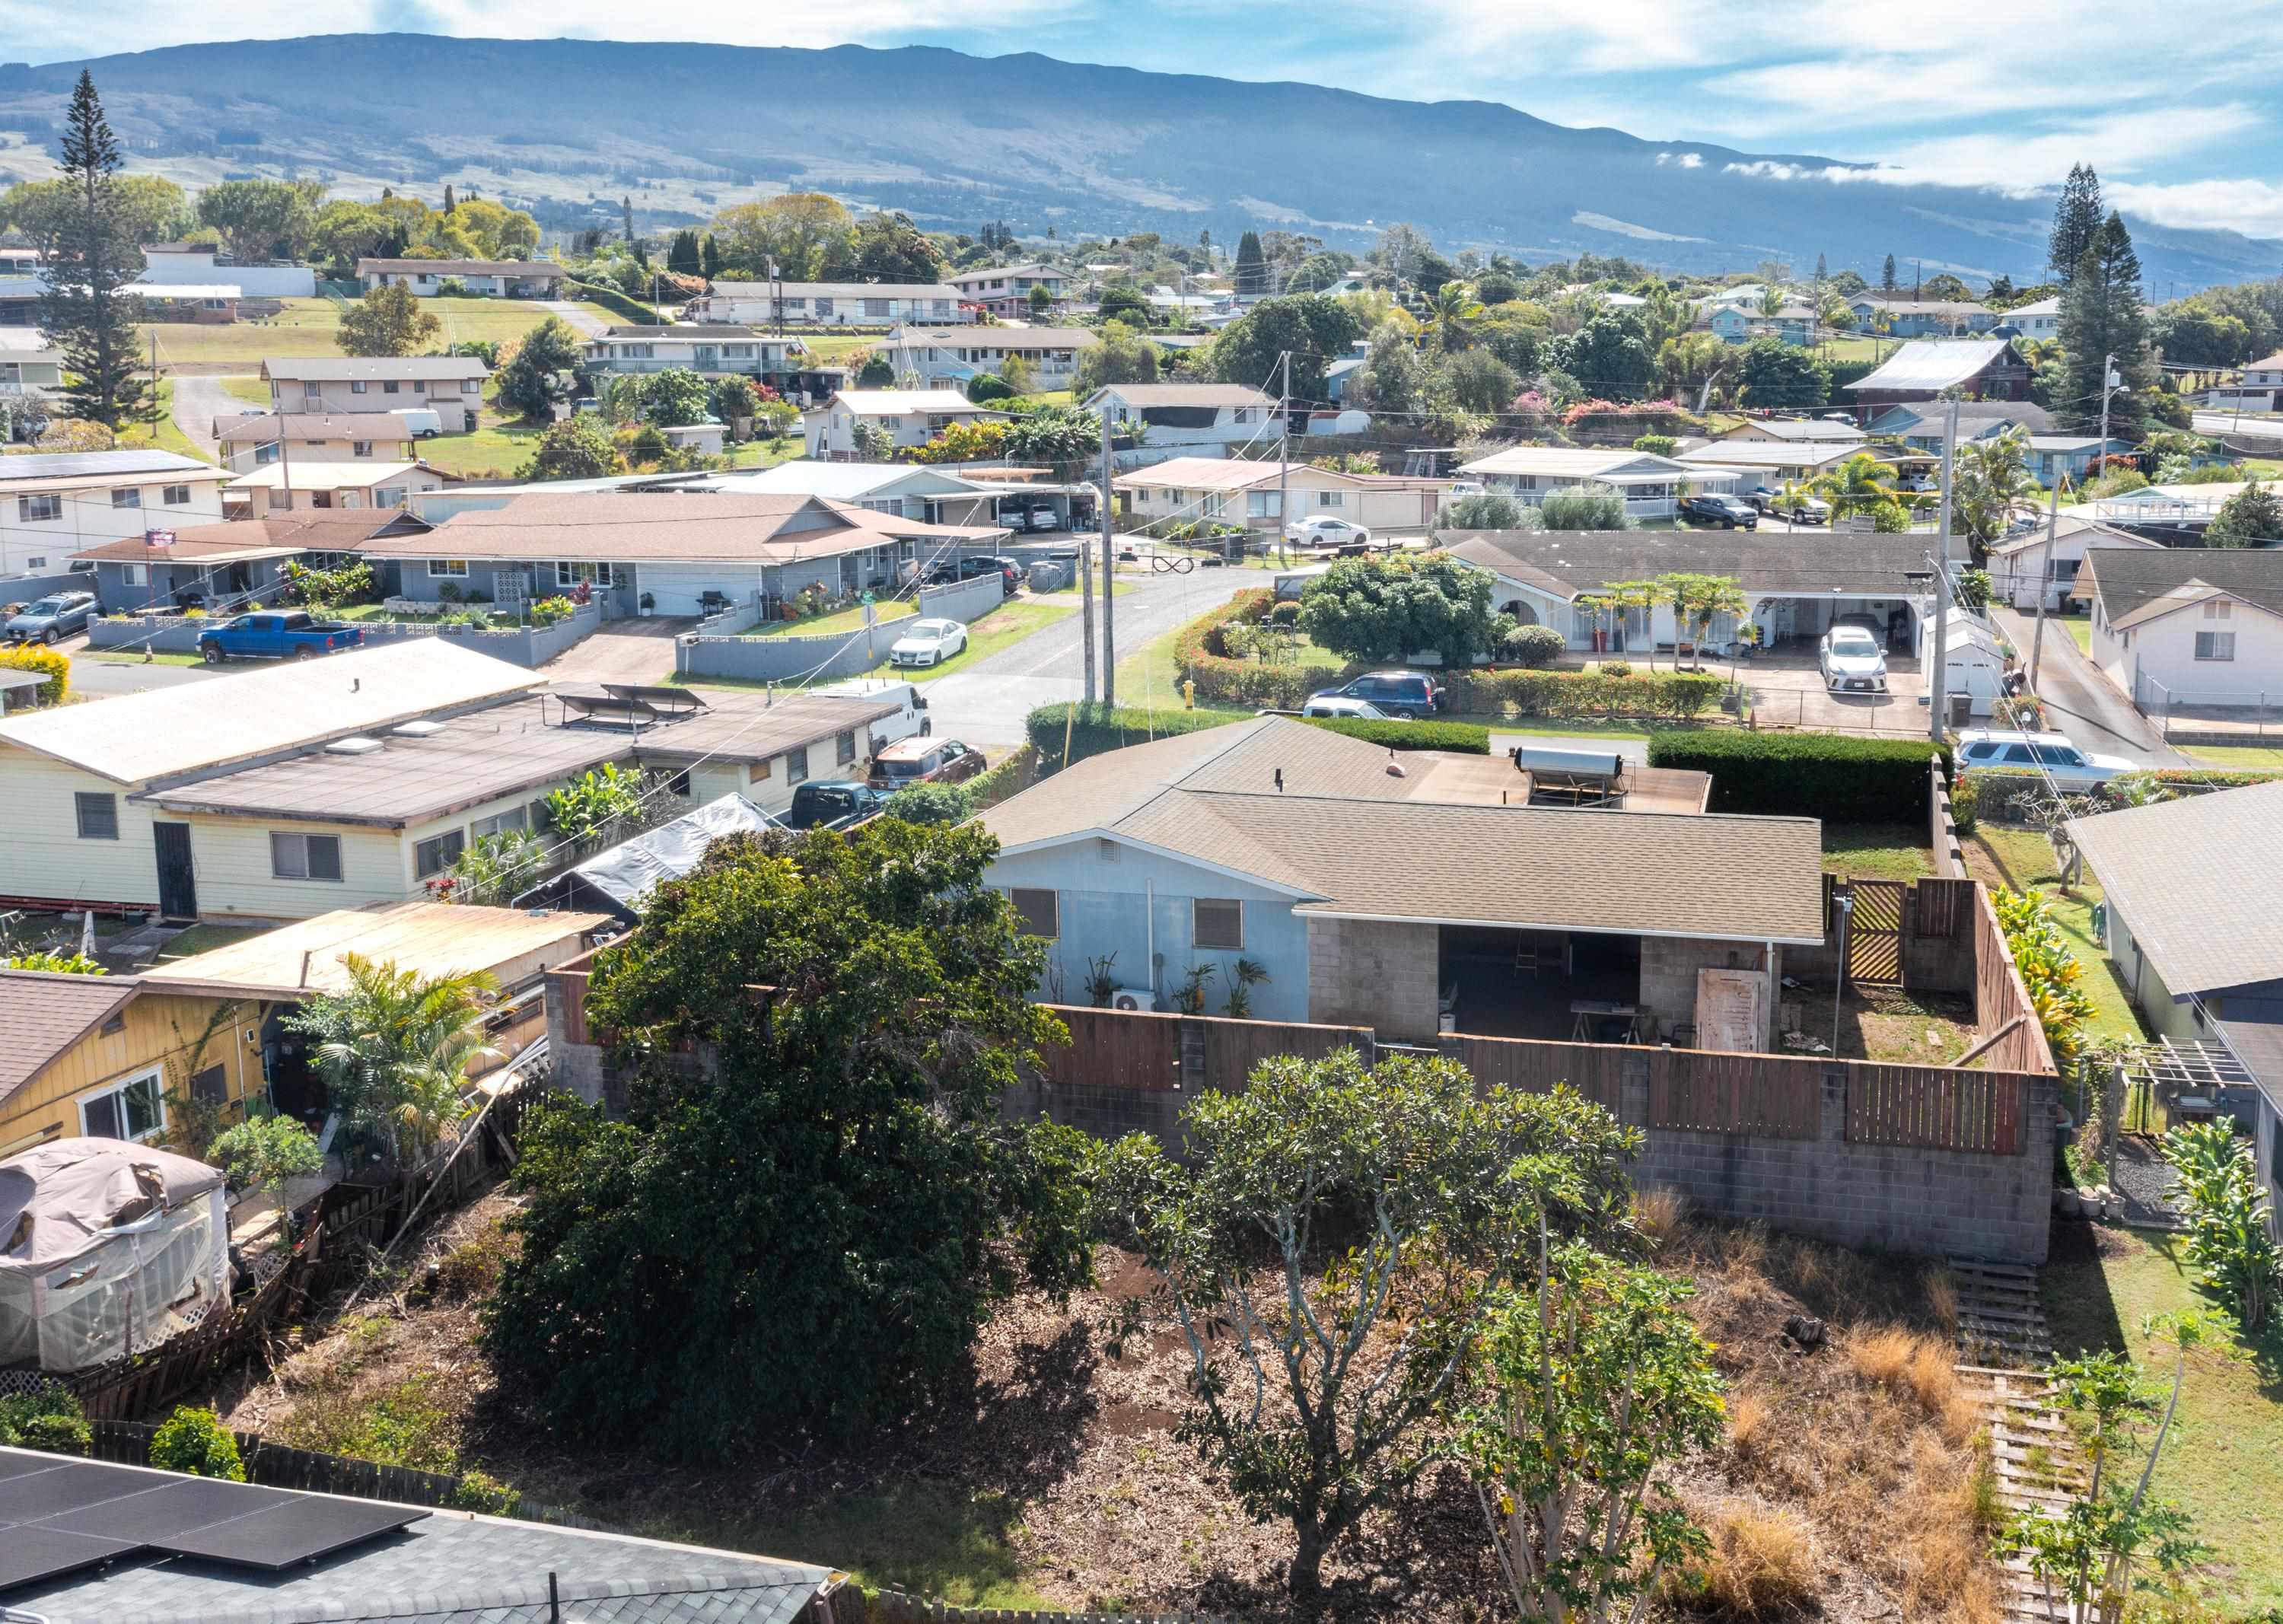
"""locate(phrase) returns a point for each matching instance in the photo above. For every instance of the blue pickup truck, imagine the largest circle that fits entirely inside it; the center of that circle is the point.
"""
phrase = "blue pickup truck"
(276, 634)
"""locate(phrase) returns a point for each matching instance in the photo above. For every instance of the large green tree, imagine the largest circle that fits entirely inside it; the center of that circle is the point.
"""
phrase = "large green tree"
(578, 448)
(1479, 381)
(394, 1049)
(809, 1234)
(1388, 608)
(83, 309)
(2077, 218)
(1774, 373)
(150, 209)
(257, 218)
(1066, 437)
(1611, 354)
(673, 398)
(2251, 518)
(1123, 356)
(388, 320)
(1315, 327)
(886, 247)
(540, 373)
(2102, 316)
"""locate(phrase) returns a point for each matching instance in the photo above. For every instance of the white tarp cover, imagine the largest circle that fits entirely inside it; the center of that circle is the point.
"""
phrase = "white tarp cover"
(622, 877)
(107, 1248)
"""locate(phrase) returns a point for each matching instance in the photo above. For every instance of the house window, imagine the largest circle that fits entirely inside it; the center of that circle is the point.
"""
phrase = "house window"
(448, 569)
(515, 818)
(31, 509)
(177, 495)
(98, 815)
(34, 566)
(1331, 498)
(638, 352)
(797, 765)
(737, 352)
(1263, 504)
(313, 394)
(127, 498)
(472, 386)
(823, 308)
(1217, 922)
(875, 307)
(2216, 609)
(1040, 910)
(360, 448)
(305, 856)
(356, 386)
(135, 1109)
(844, 748)
(434, 855)
(136, 574)
(391, 386)
(569, 573)
(2215, 645)
(210, 1087)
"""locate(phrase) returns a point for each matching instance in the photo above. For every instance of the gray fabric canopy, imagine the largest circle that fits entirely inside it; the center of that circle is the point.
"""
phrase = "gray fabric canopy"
(56, 1201)
(618, 880)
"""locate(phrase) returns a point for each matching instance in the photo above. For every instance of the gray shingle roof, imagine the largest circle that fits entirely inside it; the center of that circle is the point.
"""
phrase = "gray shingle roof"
(1792, 564)
(2188, 879)
(2129, 579)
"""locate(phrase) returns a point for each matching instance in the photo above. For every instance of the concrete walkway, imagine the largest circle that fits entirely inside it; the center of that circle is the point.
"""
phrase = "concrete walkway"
(634, 651)
(2079, 700)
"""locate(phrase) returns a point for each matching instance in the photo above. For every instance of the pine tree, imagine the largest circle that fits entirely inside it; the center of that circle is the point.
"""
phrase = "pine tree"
(709, 259)
(450, 202)
(1822, 271)
(2102, 315)
(2076, 217)
(682, 254)
(627, 208)
(1887, 277)
(83, 311)
(1251, 269)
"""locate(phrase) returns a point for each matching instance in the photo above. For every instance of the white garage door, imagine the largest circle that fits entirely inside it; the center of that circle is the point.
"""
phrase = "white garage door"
(678, 588)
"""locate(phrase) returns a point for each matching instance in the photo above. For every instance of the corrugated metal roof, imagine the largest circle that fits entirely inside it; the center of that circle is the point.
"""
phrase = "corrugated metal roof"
(431, 939)
(2196, 882)
(1000, 338)
(1569, 462)
(894, 403)
(1932, 365)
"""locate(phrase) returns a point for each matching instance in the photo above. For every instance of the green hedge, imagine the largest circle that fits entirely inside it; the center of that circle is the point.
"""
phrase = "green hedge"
(1203, 659)
(1011, 776)
(1092, 729)
(1835, 776)
(1673, 696)
(613, 300)
(1462, 737)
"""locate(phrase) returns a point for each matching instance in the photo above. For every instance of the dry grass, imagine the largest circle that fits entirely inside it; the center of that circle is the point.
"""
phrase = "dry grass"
(1747, 1418)
(1761, 1566)
(1659, 1214)
(1920, 1367)
(1942, 1300)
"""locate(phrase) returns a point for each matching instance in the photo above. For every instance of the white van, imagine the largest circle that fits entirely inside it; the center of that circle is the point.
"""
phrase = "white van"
(911, 715)
(419, 422)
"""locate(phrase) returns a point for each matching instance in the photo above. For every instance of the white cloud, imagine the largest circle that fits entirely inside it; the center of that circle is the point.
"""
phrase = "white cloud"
(2252, 207)
(1687, 161)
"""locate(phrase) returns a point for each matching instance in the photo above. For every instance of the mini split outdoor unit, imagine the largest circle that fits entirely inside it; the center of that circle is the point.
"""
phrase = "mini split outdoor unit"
(1131, 998)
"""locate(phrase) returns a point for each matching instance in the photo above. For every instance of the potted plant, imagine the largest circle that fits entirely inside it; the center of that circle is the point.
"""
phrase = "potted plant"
(649, 602)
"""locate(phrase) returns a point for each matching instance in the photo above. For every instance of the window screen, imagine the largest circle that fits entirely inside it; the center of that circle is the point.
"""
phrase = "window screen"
(1217, 922)
(210, 1087)
(98, 815)
(1041, 909)
(797, 765)
(844, 748)
(2215, 645)
(305, 856)
(433, 856)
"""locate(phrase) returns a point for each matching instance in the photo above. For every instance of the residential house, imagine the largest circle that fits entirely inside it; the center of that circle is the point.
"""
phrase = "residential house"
(1922, 427)
(2259, 387)
(1922, 319)
(2070, 456)
(52, 506)
(1339, 374)
(1793, 324)
(1005, 290)
(906, 490)
(500, 279)
(415, 1566)
(946, 358)
(315, 437)
(1224, 490)
(711, 349)
(2190, 920)
(2187, 625)
(1983, 369)
(1792, 430)
(1651, 485)
(452, 386)
(291, 483)
(235, 562)
(31, 373)
(834, 304)
(113, 1052)
(182, 264)
(1797, 583)
(2019, 563)
(20, 299)
(1392, 894)
(1167, 420)
(2040, 318)
(667, 553)
(1770, 464)
(1743, 296)
(911, 416)
(208, 304)
(354, 780)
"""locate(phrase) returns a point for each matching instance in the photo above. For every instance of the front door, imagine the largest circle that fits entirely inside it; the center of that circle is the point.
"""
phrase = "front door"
(178, 889)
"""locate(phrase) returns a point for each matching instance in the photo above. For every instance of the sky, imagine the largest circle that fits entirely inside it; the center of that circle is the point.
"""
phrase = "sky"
(2175, 110)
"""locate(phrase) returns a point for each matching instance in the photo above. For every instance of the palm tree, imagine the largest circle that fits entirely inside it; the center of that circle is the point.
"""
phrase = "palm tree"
(1862, 484)
(395, 1047)
(1453, 315)
(1629, 595)
(1988, 478)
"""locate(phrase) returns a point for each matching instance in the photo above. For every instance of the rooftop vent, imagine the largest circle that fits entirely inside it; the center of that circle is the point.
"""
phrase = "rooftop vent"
(355, 744)
(419, 729)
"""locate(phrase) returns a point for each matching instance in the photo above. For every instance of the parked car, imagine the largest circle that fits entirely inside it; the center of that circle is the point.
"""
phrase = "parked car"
(51, 618)
(833, 804)
(1920, 482)
(1042, 518)
(951, 574)
(1355, 710)
(1805, 511)
(924, 761)
(1404, 695)
(2072, 768)
(276, 634)
(1852, 657)
(1760, 498)
(1327, 530)
(929, 643)
(1728, 513)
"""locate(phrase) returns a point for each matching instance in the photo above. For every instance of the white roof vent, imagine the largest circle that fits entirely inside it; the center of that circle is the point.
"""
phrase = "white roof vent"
(355, 745)
(419, 729)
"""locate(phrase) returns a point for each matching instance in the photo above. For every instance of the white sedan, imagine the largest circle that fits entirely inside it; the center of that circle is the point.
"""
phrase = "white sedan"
(1853, 658)
(1327, 530)
(929, 643)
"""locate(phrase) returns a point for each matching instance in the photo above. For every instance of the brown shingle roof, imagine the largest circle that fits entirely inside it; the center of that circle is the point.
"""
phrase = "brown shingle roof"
(304, 529)
(41, 1014)
(631, 525)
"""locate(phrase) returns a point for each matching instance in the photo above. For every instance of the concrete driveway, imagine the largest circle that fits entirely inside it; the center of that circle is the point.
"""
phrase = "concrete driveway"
(2080, 701)
(197, 403)
(1788, 691)
(578, 315)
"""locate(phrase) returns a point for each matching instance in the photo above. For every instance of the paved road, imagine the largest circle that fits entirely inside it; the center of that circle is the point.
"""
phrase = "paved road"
(109, 678)
(197, 402)
(2082, 702)
(2240, 424)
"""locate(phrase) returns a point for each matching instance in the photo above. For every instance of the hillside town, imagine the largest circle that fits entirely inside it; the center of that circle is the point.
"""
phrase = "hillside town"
(802, 912)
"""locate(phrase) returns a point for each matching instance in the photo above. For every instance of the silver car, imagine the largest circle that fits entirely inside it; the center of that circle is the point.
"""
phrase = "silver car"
(1852, 658)
(52, 619)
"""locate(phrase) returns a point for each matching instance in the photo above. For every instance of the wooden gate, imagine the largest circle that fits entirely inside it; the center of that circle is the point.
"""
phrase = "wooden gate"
(1874, 934)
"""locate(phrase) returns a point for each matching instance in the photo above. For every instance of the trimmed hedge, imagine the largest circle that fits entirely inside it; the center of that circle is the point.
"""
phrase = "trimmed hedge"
(1202, 658)
(1092, 729)
(612, 300)
(1835, 776)
(1673, 696)
(1011, 776)
(1460, 737)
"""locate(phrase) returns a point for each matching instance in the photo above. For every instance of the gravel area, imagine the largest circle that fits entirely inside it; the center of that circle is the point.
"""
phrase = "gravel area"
(2142, 1177)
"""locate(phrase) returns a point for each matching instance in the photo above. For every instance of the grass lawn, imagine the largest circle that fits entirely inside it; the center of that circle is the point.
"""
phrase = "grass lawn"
(1069, 594)
(766, 453)
(2246, 756)
(1148, 676)
(2022, 860)
(310, 326)
(2079, 628)
(2224, 1464)
(493, 448)
(139, 659)
(1009, 623)
(162, 434)
(252, 391)
(830, 349)
(207, 938)
(1877, 851)
(839, 624)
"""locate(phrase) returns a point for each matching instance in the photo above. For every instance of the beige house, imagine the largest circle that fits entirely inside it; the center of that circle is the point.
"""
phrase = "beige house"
(52, 506)
(452, 386)
(502, 279)
(833, 304)
(317, 437)
(947, 357)
(1005, 290)
(912, 416)
(1222, 490)
(290, 484)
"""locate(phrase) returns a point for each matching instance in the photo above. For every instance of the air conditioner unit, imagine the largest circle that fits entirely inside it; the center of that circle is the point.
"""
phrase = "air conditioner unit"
(1132, 998)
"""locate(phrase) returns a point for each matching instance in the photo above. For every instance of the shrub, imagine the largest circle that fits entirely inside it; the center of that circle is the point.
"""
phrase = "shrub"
(1203, 657)
(1617, 669)
(1657, 445)
(1092, 729)
(2230, 1233)
(58, 1434)
(1583, 507)
(1463, 737)
(984, 388)
(1012, 775)
(1284, 612)
(1534, 646)
(195, 1441)
(50, 663)
(49, 1412)
(1665, 695)
(548, 611)
(480, 1491)
(1831, 775)
(2050, 971)
(1388, 608)
(932, 803)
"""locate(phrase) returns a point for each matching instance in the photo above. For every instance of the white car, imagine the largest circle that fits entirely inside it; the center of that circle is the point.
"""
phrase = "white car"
(929, 643)
(1327, 530)
(1340, 704)
(2072, 768)
(1851, 658)
(1920, 482)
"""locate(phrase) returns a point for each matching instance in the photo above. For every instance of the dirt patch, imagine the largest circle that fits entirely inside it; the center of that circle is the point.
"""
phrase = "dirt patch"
(1885, 1024)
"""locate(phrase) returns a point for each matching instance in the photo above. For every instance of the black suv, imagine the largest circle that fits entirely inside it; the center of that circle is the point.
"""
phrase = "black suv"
(1725, 511)
(833, 805)
(974, 569)
(1410, 695)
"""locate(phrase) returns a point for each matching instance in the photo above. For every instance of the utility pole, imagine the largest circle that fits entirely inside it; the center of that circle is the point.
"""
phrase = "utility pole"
(1937, 701)
(285, 459)
(1086, 615)
(1109, 579)
(2045, 582)
(2109, 383)
(1283, 455)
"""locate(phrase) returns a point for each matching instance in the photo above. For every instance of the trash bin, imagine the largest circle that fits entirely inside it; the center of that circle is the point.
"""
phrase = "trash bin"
(1961, 710)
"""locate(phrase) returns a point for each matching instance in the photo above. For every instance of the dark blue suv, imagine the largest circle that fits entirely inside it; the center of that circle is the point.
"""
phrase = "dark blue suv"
(1411, 695)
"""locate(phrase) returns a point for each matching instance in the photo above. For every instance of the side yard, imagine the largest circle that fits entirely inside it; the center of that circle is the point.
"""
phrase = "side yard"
(2022, 860)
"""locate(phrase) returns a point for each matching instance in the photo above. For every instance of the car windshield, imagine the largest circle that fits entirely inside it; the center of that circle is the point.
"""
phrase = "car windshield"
(930, 629)
(47, 606)
(1852, 640)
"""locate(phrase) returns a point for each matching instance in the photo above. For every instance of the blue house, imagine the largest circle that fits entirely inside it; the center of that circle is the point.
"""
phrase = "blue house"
(1410, 894)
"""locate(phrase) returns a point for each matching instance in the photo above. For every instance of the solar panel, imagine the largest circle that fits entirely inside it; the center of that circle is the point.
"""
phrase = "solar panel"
(166, 1507)
(44, 1495)
(17, 1463)
(665, 701)
(29, 1554)
(307, 1527)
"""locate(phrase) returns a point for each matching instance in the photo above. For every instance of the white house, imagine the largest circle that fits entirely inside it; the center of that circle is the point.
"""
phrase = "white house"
(1771, 464)
(908, 491)
(2017, 565)
(2187, 626)
(501, 278)
(945, 358)
(1651, 485)
(833, 304)
(1005, 290)
(452, 386)
(2040, 318)
(2259, 389)
(31, 370)
(53, 506)
(716, 349)
(1224, 490)
(176, 264)
(1792, 431)
(1168, 420)
(292, 483)
(912, 417)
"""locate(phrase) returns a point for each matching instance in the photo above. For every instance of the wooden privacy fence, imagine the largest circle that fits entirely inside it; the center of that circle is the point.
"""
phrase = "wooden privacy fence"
(1706, 1092)
(1144, 1051)
(1999, 997)
(1962, 1110)
(1595, 1070)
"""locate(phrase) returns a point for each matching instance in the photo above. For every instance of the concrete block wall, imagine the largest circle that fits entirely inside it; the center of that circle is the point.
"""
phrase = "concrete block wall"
(1668, 977)
(1364, 972)
(785, 657)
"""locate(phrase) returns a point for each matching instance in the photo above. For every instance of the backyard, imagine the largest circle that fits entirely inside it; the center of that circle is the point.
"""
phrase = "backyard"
(1877, 851)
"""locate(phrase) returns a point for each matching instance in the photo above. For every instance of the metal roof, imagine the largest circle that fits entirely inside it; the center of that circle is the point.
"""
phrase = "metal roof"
(1185, 394)
(347, 368)
(998, 338)
(2195, 881)
(1932, 365)
(465, 267)
(894, 403)
(790, 291)
(1573, 462)
(433, 939)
